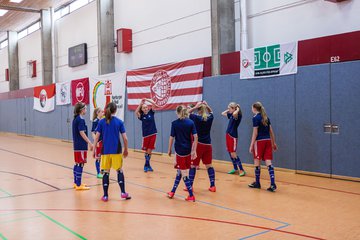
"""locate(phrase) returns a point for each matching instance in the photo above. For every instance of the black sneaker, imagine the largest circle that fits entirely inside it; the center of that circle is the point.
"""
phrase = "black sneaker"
(272, 188)
(255, 185)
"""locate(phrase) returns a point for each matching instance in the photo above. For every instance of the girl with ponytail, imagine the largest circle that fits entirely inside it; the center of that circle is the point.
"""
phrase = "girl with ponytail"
(262, 145)
(203, 121)
(234, 114)
(97, 116)
(112, 155)
(80, 144)
(149, 131)
(182, 131)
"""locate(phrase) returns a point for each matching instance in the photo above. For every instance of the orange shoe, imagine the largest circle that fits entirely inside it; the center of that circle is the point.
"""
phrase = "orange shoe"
(81, 187)
(190, 199)
(170, 194)
(212, 189)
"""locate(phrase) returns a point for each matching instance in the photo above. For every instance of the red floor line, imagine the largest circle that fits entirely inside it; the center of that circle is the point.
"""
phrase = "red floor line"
(296, 184)
(172, 216)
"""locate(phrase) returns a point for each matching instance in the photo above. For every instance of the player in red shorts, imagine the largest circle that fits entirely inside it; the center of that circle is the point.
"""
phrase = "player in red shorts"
(233, 113)
(262, 145)
(185, 150)
(97, 116)
(80, 144)
(147, 118)
(203, 121)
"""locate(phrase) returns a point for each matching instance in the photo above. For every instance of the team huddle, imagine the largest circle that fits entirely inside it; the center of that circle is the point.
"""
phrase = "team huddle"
(190, 134)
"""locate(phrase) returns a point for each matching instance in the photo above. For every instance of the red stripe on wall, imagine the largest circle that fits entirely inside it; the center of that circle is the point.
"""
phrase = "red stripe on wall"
(22, 93)
(168, 107)
(174, 93)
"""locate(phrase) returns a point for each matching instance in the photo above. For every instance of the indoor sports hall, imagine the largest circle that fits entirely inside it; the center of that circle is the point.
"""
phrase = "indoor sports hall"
(169, 119)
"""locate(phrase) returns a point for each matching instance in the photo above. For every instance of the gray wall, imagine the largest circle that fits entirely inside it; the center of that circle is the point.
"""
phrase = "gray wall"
(298, 106)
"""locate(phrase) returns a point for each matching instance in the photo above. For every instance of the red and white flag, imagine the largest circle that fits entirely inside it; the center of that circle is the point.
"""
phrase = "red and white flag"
(80, 91)
(44, 98)
(168, 85)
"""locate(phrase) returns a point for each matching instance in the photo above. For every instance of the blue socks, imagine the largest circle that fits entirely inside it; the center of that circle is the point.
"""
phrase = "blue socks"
(78, 173)
(234, 163)
(238, 162)
(188, 185)
(211, 173)
(272, 174)
(257, 174)
(147, 159)
(97, 165)
(192, 173)
(177, 181)
(74, 172)
(121, 181)
(105, 182)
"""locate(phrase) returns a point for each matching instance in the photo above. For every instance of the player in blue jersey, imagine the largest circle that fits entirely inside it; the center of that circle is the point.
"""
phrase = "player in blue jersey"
(185, 150)
(80, 144)
(97, 116)
(110, 128)
(147, 118)
(233, 113)
(262, 145)
(203, 121)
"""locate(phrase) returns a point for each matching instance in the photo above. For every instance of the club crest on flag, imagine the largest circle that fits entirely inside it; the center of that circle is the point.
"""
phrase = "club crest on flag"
(108, 88)
(63, 93)
(160, 88)
(44, 98)
(80, 92)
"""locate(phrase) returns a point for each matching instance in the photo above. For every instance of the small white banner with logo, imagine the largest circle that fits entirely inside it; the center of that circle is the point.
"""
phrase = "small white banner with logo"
(269, 61)
(108, 88)
(63, 95)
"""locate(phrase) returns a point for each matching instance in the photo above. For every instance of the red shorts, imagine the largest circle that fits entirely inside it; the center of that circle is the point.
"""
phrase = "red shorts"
(203, 152)
(263, 150)
(183, 162)
(231, 143)
(98, 150)
(149, 142)
(80, 156)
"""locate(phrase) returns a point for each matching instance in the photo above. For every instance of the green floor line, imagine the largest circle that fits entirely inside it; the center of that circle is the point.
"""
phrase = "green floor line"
(61, 225)
(18, 219)
(2, 237)
(7, 193)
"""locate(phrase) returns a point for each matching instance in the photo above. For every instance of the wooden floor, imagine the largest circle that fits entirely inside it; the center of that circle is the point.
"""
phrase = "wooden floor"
(37, 201)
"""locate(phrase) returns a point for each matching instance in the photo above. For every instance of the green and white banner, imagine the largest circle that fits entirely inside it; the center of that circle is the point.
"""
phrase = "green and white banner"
(268, 61)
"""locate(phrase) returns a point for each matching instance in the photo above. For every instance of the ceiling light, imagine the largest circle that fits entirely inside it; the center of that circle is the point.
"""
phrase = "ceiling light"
(16, 1)
(2, 12)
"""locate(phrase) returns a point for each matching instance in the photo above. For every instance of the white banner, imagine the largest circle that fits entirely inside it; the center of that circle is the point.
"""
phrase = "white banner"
(107, 88)
(63, 95)
(268, 61)
(44, 98)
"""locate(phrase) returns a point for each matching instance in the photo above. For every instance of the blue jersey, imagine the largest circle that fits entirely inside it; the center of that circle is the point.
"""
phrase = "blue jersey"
(203, 127)
(182, 130)
(148, 123)
(233, 125)
(94, 126)
(111, 135)
(263, 131)
(79, 125)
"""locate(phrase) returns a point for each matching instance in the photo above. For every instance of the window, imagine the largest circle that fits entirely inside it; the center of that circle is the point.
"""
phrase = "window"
(22, 34)
(64, 11)
(4, 44)
(57, 15)
(34, 27)
(78, 4)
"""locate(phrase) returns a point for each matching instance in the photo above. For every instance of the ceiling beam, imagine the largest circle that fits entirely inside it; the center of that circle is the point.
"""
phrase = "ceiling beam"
(20, 9)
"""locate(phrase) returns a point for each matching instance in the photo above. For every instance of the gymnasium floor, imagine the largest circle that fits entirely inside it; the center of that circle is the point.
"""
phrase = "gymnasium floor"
(37, 201)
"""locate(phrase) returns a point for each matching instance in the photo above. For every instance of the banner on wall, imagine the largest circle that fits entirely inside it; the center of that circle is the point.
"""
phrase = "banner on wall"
(80, 91)
(63, 96)
(167, 85)
(44, 98)
(107, 88)
(268, 61)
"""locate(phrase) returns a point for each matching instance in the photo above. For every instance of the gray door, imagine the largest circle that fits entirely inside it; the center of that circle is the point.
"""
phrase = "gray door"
(21, 110)
(312, 112)
(65, 122)
(345, 116)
